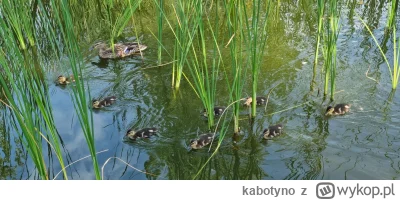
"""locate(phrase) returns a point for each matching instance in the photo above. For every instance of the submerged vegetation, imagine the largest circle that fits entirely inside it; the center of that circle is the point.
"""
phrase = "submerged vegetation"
(214, 48)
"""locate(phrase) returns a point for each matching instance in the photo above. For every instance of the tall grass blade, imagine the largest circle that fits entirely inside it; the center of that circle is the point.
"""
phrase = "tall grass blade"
(329, 50)
(257, 36)
(394, 75)
(160, 29)
(28, 98)
(391, 21)
(320, 14)
(79, 96)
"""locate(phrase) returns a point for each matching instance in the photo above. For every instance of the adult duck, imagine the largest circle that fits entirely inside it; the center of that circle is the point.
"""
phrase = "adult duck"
(121, 50)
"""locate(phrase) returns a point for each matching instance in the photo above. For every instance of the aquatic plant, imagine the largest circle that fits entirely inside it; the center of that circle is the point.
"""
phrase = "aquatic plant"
(257, 36)
(391, 21)
(117, 21)
(24, 86)
(80, 96)
(235, 20)
(394, 75)
(330, 37)
(184, 31)
(320, 14)
(20, 20)
(205, 73)
(160, 29)
(27, 94)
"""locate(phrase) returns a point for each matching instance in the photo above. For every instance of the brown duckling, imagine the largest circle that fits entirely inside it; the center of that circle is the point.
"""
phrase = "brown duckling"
(218, 110)
(62, 80)
(272, 131)
(120, 49)
(202, 141)
(259, 101)
(338, 109)
(143, 133)
(103, 103)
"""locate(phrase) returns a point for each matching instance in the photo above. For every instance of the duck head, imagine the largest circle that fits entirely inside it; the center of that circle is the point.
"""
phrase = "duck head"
(248, 101)
(131, 134)
(96, 103)
(61, 79)
(329, 110)
(193, 144)
(204, 113)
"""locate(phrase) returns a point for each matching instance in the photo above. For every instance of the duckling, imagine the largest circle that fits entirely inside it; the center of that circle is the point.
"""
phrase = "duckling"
(218, 110)
(62, 80)
(259, 101)
(338, 109)
(202, 141)
(272, 131)
(143, 133)
(120, 49)
(105, 102)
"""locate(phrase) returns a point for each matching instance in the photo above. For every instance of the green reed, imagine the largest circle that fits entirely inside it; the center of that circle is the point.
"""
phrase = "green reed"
(27, 93)
(184, 31)
(320, 9)
(160, 29)
(19, 18)
(330, 37)
(394, 76)
(391, 21)
(205, 73)
(21, 108)
(396, 53)
(28, 99)
(80, 96)
(235, 23)
(257, 36)
(118, 20)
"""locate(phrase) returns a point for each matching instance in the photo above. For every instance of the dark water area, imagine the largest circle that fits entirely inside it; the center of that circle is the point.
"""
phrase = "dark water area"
(363, 144)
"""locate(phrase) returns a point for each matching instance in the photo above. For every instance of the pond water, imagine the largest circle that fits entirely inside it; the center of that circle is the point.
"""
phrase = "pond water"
(363, 144)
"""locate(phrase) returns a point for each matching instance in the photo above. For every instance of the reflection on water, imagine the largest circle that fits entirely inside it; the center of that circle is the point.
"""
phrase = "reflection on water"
(12, 156)
(354, 146)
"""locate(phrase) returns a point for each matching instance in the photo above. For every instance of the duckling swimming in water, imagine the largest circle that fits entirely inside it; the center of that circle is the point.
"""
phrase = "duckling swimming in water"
(202, 141)
(143, 133)
(272, 131)
(105, 102)
(259, 101)
(218, 110)
(62, 80)
(120, 49)
(338, 109)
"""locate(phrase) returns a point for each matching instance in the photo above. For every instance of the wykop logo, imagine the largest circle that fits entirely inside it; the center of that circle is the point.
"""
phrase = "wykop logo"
(325, 190)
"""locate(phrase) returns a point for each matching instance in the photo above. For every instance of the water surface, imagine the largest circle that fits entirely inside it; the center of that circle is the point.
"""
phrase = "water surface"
(363, 144)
